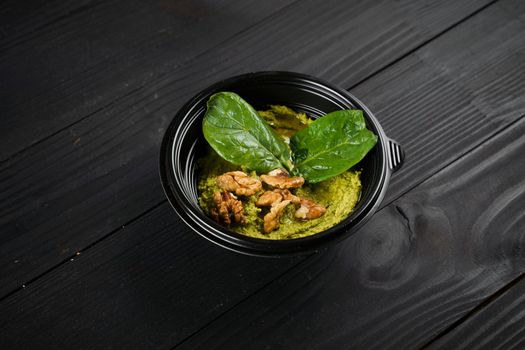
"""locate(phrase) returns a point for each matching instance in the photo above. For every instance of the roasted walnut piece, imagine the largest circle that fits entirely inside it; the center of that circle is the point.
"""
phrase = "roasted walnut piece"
(239, 182)
(308, 209)
(271, 220)
(281, 179)
(227, 207)
(269, 198)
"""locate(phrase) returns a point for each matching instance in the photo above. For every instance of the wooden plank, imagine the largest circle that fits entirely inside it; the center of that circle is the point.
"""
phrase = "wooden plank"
(421, 264)
(83, 63)
(166, 280)
(20, 21)
(386, 263)
(500, 325)
(102, 172)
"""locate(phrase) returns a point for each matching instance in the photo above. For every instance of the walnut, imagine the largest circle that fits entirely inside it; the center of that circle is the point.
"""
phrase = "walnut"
(272, 197)
(269, 198)
(281, 179)
(271, 220)
(309, 210)
(227, 207)
(239, 182)
(287, 195)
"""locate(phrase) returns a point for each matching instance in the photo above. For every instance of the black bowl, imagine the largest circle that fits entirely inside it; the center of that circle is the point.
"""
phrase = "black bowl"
(184, 143)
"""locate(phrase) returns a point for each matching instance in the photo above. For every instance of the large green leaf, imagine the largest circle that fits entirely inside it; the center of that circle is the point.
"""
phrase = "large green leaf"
(238, 134)
(331, 145)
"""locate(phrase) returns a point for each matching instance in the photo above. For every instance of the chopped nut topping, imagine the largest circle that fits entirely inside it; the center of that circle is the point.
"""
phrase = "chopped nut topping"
(271, 220)
(309, 210)
(269, 198)
(239, 182)
(227, 207)
(281, 179)
(272, 197)
(287, 195)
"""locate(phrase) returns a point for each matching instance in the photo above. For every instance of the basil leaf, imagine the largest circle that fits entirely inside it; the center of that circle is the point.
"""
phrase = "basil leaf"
(331, 145)
(239, 135)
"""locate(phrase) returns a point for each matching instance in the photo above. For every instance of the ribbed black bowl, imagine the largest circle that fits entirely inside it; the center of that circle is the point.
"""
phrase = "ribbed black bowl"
(184, 143)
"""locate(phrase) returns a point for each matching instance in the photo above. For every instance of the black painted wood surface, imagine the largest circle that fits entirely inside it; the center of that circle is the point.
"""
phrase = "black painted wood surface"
(110, 156)
(500, 324)
(92, 256)
(400, 283)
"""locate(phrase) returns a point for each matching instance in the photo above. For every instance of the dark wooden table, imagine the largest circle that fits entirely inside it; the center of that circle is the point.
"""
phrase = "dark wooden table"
(93, 257)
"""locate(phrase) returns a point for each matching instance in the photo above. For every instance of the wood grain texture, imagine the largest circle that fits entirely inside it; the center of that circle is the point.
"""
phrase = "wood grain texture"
(498, 326)
(401, 269)
(420, 264)
(100, 173)
(86, 61)
(20, 21)
(147, 287)
(81, 66)
(459, 90)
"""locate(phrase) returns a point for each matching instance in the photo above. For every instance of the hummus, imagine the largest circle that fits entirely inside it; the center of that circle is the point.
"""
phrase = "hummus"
(339, 195)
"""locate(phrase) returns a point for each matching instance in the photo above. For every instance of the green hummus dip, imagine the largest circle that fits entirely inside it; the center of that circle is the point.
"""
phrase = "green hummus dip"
(338, 195)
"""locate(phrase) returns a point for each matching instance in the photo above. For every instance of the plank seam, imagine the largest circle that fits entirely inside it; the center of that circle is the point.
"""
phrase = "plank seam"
(424, 43)
(71, 13)
(36, 143)
(458, 157)
(80, 251)
(178, 67)
(239, 302)
(478, 308)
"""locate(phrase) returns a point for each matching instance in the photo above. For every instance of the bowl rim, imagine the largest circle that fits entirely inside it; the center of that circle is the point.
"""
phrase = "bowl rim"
(231, 240)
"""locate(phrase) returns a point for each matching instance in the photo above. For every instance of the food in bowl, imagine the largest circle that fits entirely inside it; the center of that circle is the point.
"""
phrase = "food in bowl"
(184, 144)
(277, 174)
